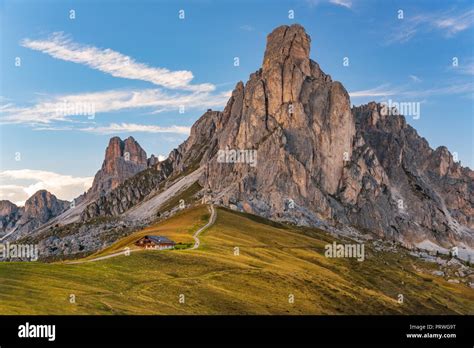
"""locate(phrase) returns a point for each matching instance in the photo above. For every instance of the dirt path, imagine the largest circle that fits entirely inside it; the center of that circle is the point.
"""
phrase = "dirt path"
(124, 252)
(212, 219)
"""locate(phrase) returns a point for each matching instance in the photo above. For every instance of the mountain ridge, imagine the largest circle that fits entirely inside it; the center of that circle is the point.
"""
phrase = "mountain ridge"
(329, 159)
(41, 207)
(319, 162)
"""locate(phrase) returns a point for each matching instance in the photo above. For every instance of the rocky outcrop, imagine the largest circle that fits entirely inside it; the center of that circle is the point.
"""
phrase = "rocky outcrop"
(39, 209)
(186, 158)
(126, 195)
(397, 186)
(9, 216)
(123, 159)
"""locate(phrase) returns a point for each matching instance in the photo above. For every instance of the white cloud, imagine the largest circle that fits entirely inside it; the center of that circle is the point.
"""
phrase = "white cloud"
(344, 3)
(162, 157)
(448, 23)
(74, 108)
(414, 78)
(455, 23)
(453, 89)
(379, 91)
(18, 185)
(51, 110)
(385, 90)
(60, 46)
(115, 128)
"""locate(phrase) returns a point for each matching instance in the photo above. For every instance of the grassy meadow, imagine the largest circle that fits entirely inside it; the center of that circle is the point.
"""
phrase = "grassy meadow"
(245, 265)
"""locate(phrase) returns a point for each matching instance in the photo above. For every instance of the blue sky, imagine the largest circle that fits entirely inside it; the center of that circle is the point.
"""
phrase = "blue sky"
(138, 63)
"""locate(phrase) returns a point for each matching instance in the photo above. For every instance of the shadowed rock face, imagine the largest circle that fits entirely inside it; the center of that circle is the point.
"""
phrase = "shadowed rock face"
(398, 186)
(9, 215)
(123, 159)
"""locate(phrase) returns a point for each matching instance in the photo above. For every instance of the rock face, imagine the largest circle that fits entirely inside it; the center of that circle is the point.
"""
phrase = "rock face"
(124, 179)
(289, 147)
(126, 195)
(123, 159)
(299, 123)
(397, 186)
(39, 209)
(9, 215)
(187, 157)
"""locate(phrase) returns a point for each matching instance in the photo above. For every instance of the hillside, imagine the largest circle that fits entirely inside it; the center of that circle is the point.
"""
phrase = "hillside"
(274, 262)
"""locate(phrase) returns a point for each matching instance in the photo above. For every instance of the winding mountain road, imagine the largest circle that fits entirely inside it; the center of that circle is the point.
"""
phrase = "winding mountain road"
(197, 242)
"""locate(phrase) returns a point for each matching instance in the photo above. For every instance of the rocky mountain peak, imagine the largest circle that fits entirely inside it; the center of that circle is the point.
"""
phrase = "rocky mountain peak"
(134, 150)
(442, 161)
(288, 44)
(44, 203)
(7, 208)
(41, 207)
(9, 215)
(123, 159)
(128, 150)
(364, 167)
(113, 151)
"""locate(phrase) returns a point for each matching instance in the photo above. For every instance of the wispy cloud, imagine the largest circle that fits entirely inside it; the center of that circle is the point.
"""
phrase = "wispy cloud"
(386, 90)
(379, 91)
(448, 23)
(60, 46)
(115, 128)
(343, 3)
(247, 27)
(453, 24)
(177, 91)
(453, 89)
(414, 78)
(18, 185)
(465, 67)
(52, 109)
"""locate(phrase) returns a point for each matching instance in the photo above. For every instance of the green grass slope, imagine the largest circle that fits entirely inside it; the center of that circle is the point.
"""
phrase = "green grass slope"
(274, 264)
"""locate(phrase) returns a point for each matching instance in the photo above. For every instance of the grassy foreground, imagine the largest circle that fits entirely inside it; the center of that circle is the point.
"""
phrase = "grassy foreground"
(272, 265)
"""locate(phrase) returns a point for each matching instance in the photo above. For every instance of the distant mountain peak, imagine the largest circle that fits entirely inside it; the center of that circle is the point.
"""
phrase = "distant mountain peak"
(123, 159)
(7, 207)
(41, 207)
